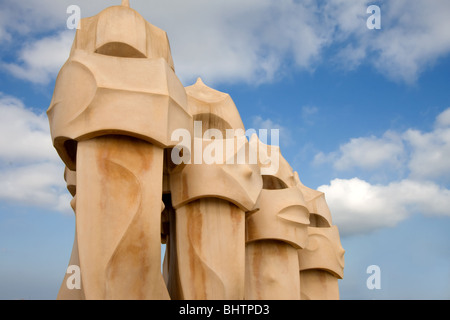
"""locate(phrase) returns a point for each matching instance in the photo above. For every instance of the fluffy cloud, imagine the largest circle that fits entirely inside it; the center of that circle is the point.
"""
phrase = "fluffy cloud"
(367, 153)
(359, 207)
(238, 40)
(36, 184)
(425, 154)
(257, 40)
(443, 120)
(252, 41)
(430, 153)
(24, 135)
(30, 171)
(415, 34)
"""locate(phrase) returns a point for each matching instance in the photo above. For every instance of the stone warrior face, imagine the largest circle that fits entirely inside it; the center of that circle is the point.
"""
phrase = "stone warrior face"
(283, 214)
(323, 252)
(240, 183)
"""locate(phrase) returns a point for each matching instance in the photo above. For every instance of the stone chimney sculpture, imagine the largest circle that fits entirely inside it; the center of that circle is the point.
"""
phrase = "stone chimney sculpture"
(231, 230)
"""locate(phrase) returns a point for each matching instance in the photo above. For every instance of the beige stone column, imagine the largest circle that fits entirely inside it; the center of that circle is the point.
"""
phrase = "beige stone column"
(211, 201)
(119, 182)
(269, 276)
(116, 102)
(276, 231)
(274, 235)
(210, 243)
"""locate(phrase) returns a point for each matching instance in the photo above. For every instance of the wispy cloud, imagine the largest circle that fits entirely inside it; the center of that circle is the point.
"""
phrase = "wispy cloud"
(366, 153)
(424, 154)
(430, 152)
(308, 114)
(360, 206)
(30, 171)
(40, 61)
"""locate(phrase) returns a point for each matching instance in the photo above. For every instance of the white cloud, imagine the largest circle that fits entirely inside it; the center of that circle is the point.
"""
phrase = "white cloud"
(370, 153)
(425, 154)
(414, 35)
(30, 18)
(251, 41)
(40, 61)
(37, 184)
(30, 170)
(359, 207)
(24, 136)
(430, 158)
(367, 153)
(443, 119)
(36, 18)
(220, 41)
(239, 40)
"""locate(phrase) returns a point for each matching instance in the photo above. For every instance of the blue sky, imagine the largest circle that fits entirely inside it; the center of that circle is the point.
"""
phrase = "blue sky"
(364, 116)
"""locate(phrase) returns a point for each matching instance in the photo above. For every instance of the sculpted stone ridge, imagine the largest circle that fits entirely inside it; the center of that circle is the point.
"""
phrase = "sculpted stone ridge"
(121, 31)
(315, 202)
(214, 108)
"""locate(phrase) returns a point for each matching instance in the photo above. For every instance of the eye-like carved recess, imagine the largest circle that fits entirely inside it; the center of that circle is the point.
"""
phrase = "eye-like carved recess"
(211, 121)
(273, 183)
(317, 221)
(296, 214)
(119, 49)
